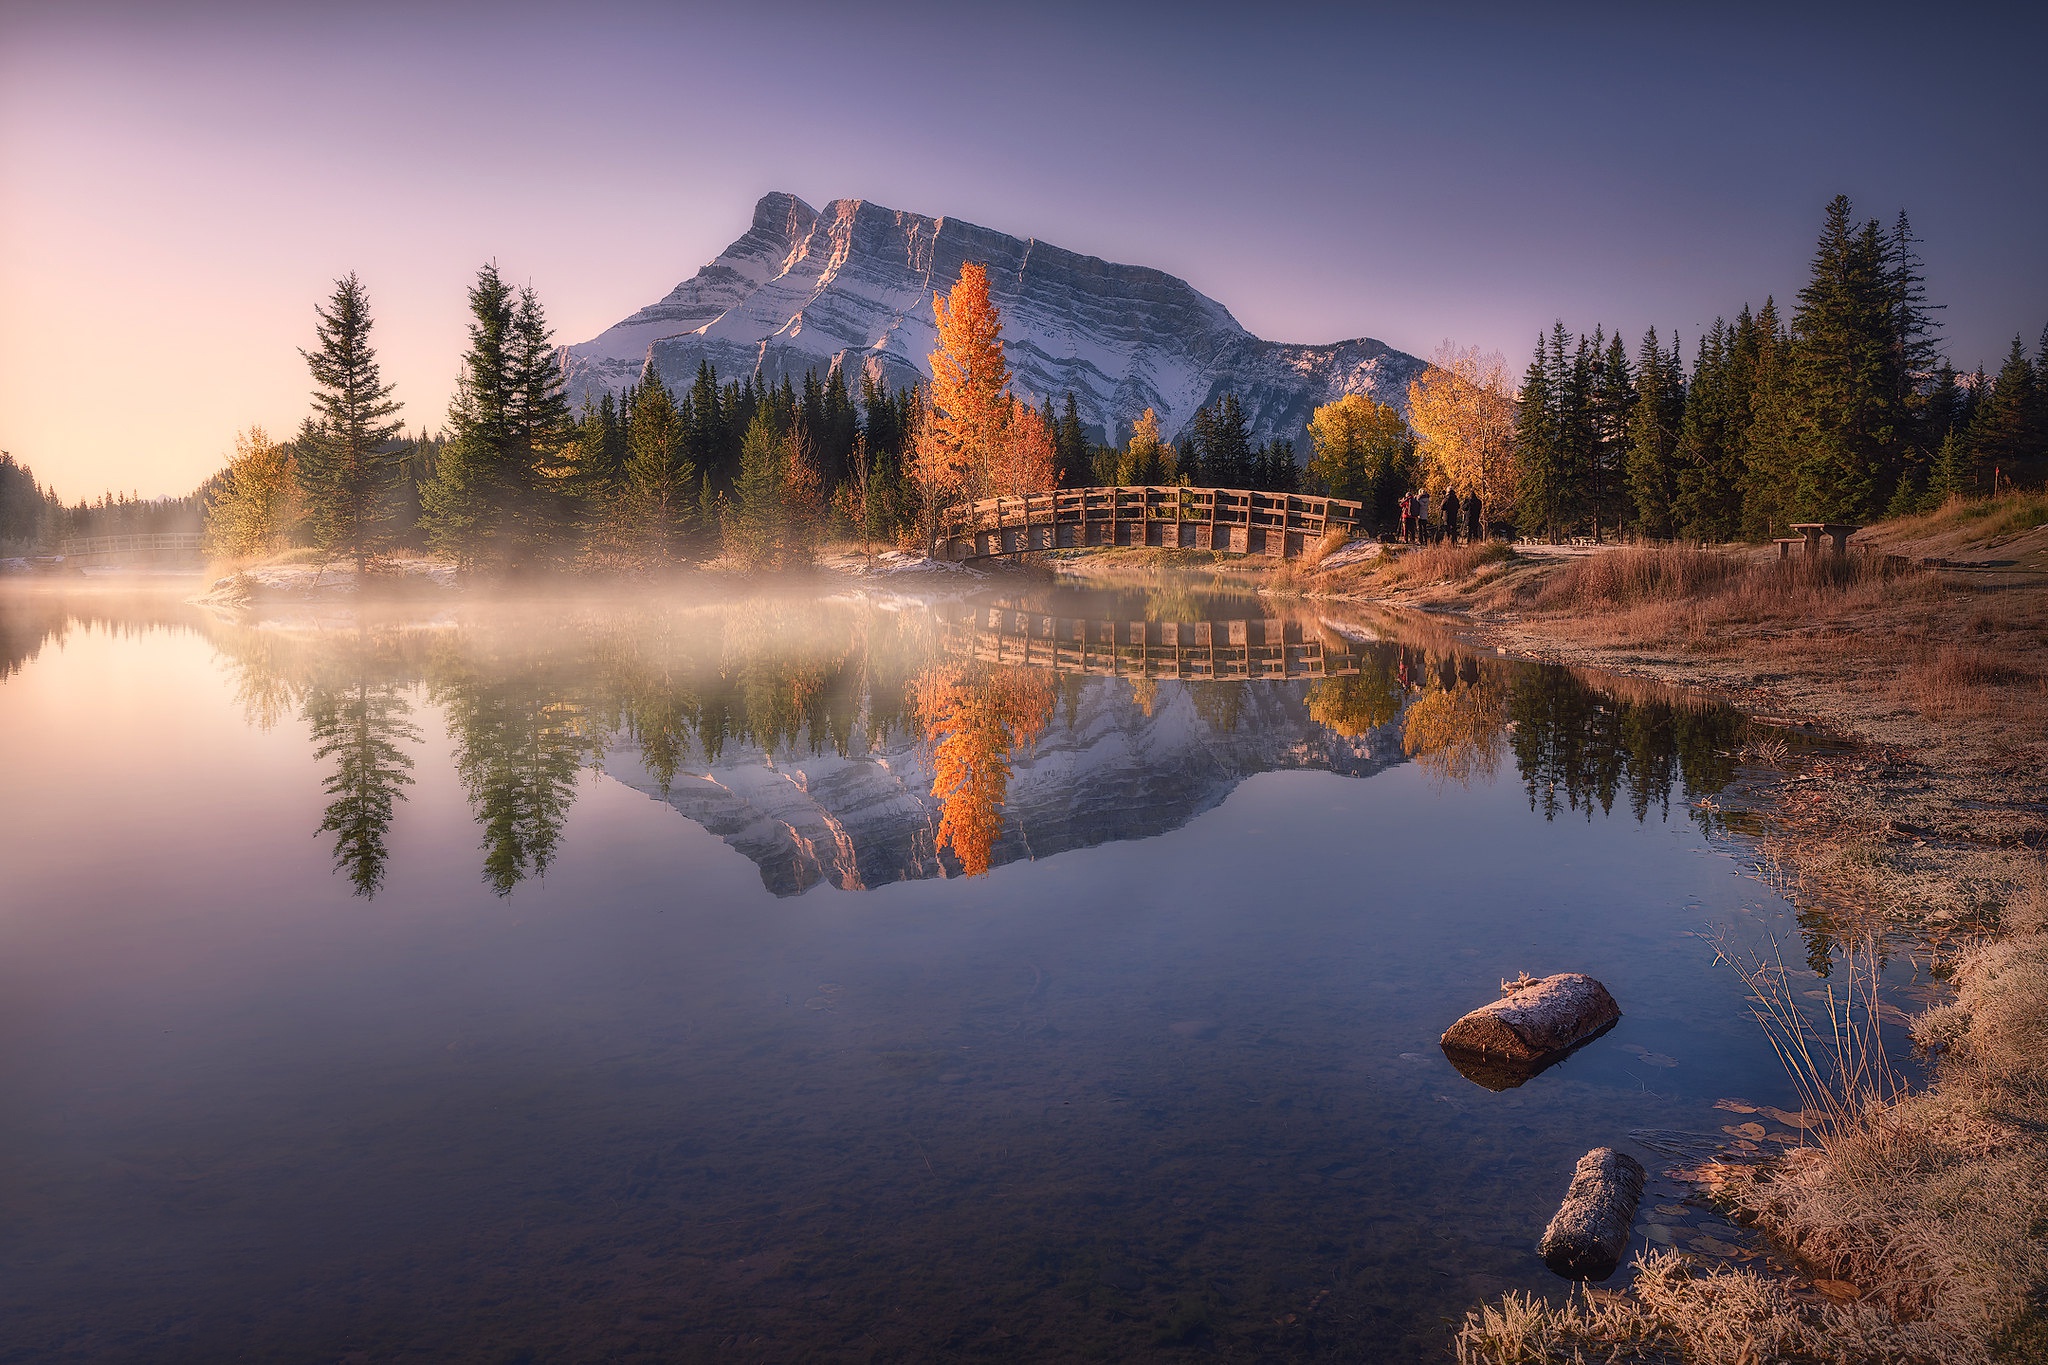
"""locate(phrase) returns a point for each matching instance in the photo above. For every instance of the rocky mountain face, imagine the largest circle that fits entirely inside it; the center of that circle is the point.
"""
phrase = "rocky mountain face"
(1109, 772)
(852, 286)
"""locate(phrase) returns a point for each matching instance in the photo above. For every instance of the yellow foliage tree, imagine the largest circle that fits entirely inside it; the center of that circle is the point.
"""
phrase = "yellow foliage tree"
(974, 722)
(1027, 463)
(257, 507)
(968, 422)
(1463, 412)
(1458, 733)
(1354, 706)
(1362, 451)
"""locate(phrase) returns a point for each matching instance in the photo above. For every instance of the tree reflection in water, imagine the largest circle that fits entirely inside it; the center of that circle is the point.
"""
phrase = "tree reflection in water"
(359, 717)
(976, 716)
(678, 689)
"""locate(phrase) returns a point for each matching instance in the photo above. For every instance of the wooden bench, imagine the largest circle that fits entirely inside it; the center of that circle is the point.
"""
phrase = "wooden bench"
(1785, 544)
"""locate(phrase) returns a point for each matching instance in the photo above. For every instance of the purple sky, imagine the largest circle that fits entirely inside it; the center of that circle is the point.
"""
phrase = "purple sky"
(177, 189)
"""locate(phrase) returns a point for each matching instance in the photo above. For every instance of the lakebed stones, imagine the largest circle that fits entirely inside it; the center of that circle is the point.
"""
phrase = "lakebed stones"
(1536, 1021)
(1591, 1230)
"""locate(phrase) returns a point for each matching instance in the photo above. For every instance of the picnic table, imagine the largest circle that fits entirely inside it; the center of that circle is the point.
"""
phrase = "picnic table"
(1810, 533)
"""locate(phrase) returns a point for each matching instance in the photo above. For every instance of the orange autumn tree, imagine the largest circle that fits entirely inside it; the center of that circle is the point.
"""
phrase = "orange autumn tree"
(974, 439)
(975, 720)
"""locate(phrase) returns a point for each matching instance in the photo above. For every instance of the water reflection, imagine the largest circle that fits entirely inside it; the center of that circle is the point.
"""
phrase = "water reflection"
(860, 742)
(359, 718)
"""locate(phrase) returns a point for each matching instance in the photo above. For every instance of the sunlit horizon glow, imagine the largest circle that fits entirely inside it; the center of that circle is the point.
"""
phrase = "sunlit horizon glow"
(177, 195)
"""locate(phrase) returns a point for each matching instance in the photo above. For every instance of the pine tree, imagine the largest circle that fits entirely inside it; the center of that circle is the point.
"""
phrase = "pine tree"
(1227, 446)
(1708, 502)
(538, 459)
(346, 474)
(754, 523)
(462, 508)
(1536, 447)
(1654, 425)
(1071, 444)
(2003, 437)
(1950, 477)
(1845, 415)
(1769, 465)
(1614, 403)
(711, 429)
(659, 489)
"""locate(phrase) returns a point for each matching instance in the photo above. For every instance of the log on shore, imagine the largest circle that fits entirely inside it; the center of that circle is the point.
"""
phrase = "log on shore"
(1591, 1230)
(1535, 1018)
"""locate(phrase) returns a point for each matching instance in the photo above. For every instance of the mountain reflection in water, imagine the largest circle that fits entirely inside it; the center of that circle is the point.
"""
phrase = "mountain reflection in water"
(863, 742)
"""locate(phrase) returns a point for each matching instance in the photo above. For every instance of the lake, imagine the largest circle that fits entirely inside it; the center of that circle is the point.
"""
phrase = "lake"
(1046, 974)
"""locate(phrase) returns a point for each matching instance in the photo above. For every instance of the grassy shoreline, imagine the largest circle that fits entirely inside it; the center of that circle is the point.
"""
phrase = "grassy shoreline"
(1924, 1215)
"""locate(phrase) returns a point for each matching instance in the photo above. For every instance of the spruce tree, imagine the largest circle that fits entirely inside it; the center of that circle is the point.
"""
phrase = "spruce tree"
(659, 493)
(1846, 418)
(1708, 503)
(1653, 436)
(2004, 435)
(1227, 446)
(1537, 496)
(754, 523)
(463, 508)
(1950, 477)
(1070, 443)
(538, 463)
(347, 473)
(1614, 403)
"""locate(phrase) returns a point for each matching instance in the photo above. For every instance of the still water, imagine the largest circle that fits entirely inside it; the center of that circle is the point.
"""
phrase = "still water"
(825, 978)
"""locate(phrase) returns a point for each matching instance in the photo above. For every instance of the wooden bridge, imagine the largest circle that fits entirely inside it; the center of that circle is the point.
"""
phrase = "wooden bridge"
(1191, 651)
(141, 547)
(1236, 520)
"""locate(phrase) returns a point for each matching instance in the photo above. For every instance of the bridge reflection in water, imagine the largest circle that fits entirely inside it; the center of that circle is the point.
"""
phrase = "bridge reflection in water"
(1186, 651)
(1233, 520)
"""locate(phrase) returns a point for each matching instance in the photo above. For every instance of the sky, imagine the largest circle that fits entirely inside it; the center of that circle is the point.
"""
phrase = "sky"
(180, 184)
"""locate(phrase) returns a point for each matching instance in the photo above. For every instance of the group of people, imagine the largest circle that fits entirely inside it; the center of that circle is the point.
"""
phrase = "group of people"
(1418, 529)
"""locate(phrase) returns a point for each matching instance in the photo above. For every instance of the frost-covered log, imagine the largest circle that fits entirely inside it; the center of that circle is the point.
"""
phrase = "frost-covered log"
(1535, 1018)
(1586, 1238)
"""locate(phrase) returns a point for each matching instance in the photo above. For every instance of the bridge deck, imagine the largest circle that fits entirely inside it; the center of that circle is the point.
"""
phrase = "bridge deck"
(1192, 651)
(1235, 520)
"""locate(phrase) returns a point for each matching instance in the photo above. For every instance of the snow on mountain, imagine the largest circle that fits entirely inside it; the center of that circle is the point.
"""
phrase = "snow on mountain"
(1113, 772)
(852, 286)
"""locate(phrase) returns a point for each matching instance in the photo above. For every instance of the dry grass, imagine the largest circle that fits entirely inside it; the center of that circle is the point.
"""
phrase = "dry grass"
(1667, 590)
(1443, 563)
(1965, 682)
(1930, 1205)
(1989, 519)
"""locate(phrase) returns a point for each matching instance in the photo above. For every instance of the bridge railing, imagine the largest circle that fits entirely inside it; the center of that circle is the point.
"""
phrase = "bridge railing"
(136, 543)
(1311, 514)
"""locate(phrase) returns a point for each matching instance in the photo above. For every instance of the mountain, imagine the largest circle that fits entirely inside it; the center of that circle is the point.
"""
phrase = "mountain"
(1111, 771)
(853, 285)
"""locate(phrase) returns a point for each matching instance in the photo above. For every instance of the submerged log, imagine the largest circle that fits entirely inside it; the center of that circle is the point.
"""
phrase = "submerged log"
(1535, 1018)
(1586, 1238)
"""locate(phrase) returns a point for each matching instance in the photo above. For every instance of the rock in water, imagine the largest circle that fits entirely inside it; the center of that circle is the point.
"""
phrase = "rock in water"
(1586, 1238)
(1535, 1018)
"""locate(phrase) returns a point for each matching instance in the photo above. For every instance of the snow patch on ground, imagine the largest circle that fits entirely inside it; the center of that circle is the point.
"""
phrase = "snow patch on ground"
(1357, 552)
(324, 583)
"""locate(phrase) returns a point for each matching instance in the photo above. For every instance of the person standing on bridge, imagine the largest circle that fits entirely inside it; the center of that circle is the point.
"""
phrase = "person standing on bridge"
(1451, 516)
(1421, 520)
(1472, 523)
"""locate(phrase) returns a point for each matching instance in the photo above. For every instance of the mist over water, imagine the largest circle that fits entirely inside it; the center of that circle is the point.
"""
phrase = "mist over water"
(818, 977)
